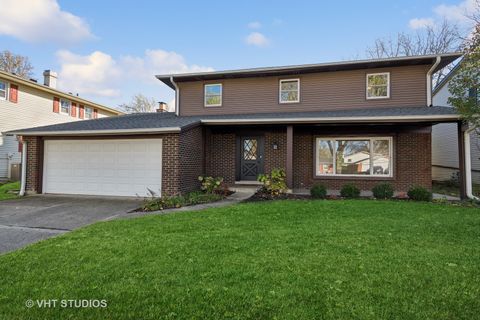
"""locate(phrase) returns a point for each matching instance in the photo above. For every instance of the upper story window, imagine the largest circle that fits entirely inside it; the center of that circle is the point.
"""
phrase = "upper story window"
(65, 106)
(213, 95)
(289, 91)
(378, 85)
(88, 113)
(3, 90)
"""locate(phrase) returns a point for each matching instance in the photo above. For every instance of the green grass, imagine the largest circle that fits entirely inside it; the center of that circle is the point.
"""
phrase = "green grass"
(355, 259)
(4, 188)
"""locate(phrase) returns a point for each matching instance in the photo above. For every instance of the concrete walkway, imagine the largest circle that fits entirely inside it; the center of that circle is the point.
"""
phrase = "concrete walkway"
(241, 194)
(437, 196)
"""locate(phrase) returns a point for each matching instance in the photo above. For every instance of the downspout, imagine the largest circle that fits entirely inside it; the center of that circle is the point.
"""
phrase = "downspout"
(24, 169)
(429, 80)
(177, 96)
(468, 165)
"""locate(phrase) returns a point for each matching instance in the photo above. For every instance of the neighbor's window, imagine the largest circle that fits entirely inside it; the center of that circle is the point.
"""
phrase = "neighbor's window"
(213, 95)
(3, 90)
(289, 90)
(64, 106)
(88, 113)
(378, 85)
(474, 93)
(354, 156)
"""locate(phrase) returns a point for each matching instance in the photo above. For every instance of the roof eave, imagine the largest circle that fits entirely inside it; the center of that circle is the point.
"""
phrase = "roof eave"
(95, 132)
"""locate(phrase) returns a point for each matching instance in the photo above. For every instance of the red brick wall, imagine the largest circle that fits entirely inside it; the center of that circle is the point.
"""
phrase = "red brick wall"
(34, 146)
(170, 164)
(192, 161)
(220, 156)
(275, 158)
(412, 164)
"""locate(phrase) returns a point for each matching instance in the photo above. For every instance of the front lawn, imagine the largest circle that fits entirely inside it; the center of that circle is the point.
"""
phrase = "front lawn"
(7, 188)
(356, 259)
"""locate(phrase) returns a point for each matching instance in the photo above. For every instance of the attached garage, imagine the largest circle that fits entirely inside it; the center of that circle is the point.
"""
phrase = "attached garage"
(109, 167)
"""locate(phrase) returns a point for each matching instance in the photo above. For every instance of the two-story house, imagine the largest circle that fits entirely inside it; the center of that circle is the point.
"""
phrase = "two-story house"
(363, 122)
(25, 103)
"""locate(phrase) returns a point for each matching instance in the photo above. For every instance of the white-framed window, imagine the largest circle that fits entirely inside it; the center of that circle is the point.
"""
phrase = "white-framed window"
(213, 95)
(289, 91)
(378, 85)
(3, 90)
(88, 113)
(354, 156)
(65, 106)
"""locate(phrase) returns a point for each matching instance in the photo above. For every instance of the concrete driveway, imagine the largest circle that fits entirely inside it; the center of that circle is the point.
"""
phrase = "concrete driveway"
(27, 220)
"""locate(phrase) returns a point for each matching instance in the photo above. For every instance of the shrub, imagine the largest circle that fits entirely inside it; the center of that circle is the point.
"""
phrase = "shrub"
(417, 193)
(383, 191)
(210, 184)
(350, 190)
(318, 191)
(274, 183)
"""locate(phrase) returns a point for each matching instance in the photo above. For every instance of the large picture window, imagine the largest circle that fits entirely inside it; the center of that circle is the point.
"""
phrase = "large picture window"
(353, 156)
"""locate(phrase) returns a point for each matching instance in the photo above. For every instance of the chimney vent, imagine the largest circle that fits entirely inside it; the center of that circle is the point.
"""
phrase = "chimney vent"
(50, 79)
(162, 107)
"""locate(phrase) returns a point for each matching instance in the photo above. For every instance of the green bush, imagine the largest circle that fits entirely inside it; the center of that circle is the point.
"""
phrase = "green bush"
(318, 191)
(274, 183)
(210, 184)
(418, 193)
(383, 191)
(350, 190)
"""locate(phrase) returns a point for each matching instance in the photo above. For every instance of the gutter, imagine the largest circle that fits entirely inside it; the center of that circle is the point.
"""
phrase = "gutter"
(428, 118)
(468, 165)
(177, 96)
(24, 169)
(96, 132)
(429, 80)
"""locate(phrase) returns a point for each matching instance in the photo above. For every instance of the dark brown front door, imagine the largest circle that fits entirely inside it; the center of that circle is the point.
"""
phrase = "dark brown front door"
(251, 157)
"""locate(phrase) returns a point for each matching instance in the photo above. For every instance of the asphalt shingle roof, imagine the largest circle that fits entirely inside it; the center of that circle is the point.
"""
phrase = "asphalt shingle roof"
(167, 120)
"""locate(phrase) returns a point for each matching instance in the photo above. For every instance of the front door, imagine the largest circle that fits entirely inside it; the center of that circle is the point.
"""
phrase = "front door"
(251, 157)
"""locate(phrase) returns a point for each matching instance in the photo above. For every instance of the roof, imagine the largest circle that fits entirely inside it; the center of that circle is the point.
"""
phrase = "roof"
(31, 83)
(149, 123)
(447, 58)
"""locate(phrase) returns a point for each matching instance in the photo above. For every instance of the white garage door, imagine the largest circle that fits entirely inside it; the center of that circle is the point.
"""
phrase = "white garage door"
(103, 167)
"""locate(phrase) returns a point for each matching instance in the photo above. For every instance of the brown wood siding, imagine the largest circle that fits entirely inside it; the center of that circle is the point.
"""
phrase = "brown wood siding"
(318, 91)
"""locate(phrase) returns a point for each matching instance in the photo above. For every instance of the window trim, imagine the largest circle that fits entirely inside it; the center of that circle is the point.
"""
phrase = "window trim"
(205, 95)
(362, 138)
(60, 107)
(280, 91)
(7, 90)
(388, 85)
(85, 112)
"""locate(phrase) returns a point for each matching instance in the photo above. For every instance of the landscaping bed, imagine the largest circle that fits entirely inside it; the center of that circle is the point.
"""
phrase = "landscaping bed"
(189, 199)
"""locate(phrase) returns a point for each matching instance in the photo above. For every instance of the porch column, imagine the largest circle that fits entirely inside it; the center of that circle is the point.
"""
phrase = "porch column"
(289, 165)
(461, 160)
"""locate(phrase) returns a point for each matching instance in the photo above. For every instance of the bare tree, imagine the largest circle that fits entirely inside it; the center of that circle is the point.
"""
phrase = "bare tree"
(139, 104)
(15, 63)
(441, 38)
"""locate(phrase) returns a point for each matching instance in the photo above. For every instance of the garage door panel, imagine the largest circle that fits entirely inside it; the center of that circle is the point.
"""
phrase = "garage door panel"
(103, 167)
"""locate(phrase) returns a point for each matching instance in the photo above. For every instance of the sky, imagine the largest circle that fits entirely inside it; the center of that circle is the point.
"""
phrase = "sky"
(107, 51)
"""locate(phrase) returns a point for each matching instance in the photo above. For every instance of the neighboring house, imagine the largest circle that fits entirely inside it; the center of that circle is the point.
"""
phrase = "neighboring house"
(25, 103)
(364, 122)
(445, 140)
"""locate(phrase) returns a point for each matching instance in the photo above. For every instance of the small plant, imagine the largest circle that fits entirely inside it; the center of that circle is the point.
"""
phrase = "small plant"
(274, 183)
(418, 193)
(383, 191)
(350, 190)
(177, 201)
(210, 184)
(318, 191)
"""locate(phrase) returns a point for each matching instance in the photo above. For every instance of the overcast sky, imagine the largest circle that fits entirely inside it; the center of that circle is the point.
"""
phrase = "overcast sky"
(107, 51)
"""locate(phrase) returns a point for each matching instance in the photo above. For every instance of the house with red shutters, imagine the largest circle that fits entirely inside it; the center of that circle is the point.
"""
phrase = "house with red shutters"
(26, 103)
